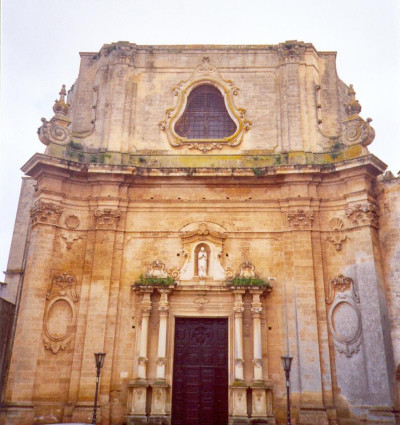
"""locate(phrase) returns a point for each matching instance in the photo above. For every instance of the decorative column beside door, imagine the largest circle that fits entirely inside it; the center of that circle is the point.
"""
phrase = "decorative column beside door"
(139, 387)
(239, 407)
(160, 387)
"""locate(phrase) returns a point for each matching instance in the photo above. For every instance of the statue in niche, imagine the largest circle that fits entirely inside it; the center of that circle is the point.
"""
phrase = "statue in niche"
(202, 262)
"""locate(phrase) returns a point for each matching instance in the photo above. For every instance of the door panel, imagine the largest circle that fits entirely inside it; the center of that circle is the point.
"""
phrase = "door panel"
(200, 381)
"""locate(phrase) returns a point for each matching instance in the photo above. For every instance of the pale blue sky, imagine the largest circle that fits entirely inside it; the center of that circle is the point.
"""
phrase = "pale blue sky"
(41, 40)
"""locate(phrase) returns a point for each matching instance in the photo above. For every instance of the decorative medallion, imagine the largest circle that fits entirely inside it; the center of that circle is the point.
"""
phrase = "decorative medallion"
(344, 316)
(206, 74)
(60, 313)
(72, 222)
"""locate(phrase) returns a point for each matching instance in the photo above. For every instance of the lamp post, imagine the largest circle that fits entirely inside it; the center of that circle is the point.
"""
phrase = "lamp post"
(99, 359)
(287, 363)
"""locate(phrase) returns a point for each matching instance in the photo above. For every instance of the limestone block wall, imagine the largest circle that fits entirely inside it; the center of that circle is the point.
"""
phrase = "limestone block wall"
(93, 234)
(389, 236)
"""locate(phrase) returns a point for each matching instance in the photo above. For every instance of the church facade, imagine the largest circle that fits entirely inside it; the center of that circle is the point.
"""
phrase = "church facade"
(199, 212)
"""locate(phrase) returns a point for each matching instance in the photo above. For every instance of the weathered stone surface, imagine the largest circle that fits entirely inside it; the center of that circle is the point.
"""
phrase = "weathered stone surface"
(291, 205)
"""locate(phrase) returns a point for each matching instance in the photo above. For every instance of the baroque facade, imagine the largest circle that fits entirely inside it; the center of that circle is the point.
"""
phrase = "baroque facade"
(199, 212)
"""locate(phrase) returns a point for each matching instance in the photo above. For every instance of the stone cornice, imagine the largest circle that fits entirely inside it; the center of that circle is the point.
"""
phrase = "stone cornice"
(174, 167)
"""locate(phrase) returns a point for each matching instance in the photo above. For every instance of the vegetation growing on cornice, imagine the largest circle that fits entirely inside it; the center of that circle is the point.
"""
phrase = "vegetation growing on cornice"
(250, 281)
(155, 281)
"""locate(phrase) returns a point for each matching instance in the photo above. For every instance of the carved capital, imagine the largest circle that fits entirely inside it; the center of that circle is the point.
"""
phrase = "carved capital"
(161, 361)
(45, 213)
(257, 363)
(106, 219)
(300, 219)
(142, 361)
(239, 362)
(291, 51)
(366, 214)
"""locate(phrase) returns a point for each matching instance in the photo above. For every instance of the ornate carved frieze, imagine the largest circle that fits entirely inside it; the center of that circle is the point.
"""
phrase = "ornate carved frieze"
(60, 312)
(344, 317)
(300, 218)
(106, 219)
(366, 214)
(57, 129)
(205, 73)
(336, 236)
(45, 213)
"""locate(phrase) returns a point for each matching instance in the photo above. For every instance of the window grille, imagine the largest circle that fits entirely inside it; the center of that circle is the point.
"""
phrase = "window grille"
(205, 116)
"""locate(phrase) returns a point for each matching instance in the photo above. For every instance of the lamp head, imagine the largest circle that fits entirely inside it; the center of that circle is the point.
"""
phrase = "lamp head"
(99, 359)
(286, 362)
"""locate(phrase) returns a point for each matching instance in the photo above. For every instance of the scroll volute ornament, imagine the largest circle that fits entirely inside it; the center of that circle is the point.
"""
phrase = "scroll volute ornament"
(354, 129)
(57, 129)
(205, 74)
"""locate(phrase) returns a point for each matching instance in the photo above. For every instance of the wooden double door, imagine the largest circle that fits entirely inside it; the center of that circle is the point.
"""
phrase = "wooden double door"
(200, 379)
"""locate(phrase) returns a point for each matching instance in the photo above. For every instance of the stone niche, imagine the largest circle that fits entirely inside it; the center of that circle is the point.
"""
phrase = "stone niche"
(202, 247)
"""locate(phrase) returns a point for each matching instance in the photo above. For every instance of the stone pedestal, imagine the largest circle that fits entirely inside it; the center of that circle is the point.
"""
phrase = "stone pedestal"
(159, 398)
(239, 401)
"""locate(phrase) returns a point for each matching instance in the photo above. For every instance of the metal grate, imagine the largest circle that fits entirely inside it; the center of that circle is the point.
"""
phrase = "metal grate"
(205, 116)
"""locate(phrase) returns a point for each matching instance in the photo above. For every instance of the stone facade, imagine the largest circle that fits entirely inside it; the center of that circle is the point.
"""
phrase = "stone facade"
(283, 229)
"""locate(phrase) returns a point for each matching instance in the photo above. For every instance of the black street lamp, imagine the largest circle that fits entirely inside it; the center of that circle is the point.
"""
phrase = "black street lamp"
(99, 359)
(287, 364)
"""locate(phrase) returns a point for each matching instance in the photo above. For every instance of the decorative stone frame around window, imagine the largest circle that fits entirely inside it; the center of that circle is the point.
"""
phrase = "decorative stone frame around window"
(205, 74)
